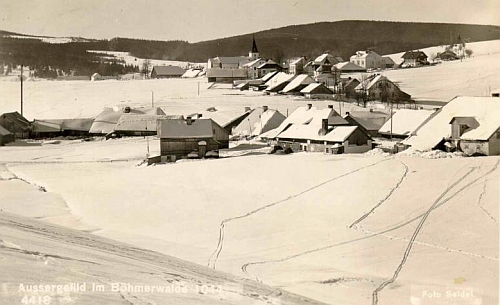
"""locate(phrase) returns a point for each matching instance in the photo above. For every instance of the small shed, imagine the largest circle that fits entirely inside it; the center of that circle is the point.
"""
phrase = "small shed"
(96, 76)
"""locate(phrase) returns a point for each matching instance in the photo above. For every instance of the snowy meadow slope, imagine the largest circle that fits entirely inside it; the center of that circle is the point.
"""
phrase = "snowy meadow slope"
(332, 228)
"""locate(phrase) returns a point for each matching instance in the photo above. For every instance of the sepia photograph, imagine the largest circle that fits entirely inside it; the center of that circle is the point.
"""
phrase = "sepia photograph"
(256, 152)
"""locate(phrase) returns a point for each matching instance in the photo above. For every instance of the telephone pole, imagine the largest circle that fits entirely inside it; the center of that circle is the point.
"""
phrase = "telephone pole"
(21, 90)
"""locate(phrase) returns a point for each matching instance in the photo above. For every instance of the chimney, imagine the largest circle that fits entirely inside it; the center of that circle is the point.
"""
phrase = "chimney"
(347, 113)
(324, 127)
(309, 106)
(264, 108)
(330, 106)
(247, 109)
(200, 115)
(189, 120)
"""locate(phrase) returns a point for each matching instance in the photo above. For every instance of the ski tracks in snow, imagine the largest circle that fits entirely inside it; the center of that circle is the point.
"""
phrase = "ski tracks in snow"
(439, 202)
(215, 256)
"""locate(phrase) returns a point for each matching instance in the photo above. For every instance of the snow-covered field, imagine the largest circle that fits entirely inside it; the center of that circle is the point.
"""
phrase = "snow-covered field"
(334, 228)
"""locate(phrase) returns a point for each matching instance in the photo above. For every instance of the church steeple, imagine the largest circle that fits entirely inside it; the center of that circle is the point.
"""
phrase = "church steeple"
(254, 54)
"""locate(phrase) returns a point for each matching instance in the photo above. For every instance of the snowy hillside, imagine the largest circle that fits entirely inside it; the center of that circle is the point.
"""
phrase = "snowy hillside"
(95, 270)
(132, 60)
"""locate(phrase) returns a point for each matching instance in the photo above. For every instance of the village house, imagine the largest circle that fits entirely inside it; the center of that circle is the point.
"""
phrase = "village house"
(319, 130)
(447, 55)
(379, 87)
(404, 122)
(467, 123)
(369, 122)
(368, 59)
(16, 124)
(296, 65)
(193, 137)
(414, 59)
(167, 72)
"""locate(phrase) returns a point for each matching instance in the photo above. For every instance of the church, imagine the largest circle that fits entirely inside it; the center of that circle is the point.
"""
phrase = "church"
(228, 69)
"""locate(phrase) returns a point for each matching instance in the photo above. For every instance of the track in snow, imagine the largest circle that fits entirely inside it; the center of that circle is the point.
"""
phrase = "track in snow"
(245, 266)
(405, 174)
(215, 256)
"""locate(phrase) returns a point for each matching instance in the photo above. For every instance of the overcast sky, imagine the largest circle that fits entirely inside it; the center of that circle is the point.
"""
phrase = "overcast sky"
(197, 20)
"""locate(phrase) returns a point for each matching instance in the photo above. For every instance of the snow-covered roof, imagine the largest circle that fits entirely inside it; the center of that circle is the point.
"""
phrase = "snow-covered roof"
(313, 132)
(370, 120)
(296, 60)
(80, 124)
(258, 122)
(405, 121)
(349, 66)
(388, 60)
(142, 122)
(364, 54)
(268, 76)
(268, 63)
(485, 110)
(106, 121)
(302, 79)
(313, 86)
(368, 83)
(307, 116)
(190, 73)
(180, 129)
(279, 79)
(339, 133)
(231, 59)
(256, 62)
(168, 70)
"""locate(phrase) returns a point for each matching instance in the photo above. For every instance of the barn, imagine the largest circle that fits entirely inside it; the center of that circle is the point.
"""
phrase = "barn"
(167, 72)
(317, 91)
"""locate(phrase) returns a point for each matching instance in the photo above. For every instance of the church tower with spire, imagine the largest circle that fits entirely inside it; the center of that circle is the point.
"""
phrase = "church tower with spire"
(254, 53)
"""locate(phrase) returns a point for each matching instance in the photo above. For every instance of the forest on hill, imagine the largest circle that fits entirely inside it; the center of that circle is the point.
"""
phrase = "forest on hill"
(342, 38)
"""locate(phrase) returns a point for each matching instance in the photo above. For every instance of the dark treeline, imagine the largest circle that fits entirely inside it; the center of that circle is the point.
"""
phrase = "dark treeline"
(342, 38)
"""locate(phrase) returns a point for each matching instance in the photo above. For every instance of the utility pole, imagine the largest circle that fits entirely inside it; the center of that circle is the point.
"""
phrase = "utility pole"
(392, 115)
(198, 88)
(21, 90)
(152, 99)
